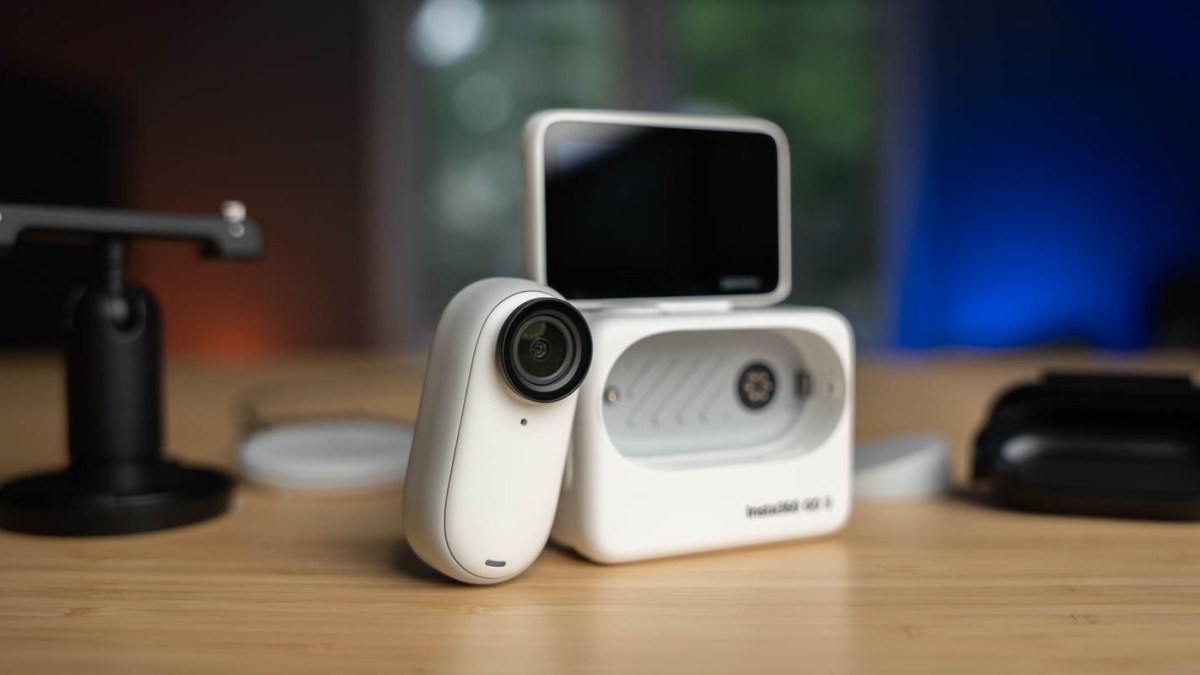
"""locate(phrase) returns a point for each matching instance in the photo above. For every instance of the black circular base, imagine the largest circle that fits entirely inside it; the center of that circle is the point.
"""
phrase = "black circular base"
(120, 500)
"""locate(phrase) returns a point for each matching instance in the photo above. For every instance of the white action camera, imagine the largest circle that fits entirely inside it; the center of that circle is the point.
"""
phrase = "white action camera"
(493, 428)
(709, 420)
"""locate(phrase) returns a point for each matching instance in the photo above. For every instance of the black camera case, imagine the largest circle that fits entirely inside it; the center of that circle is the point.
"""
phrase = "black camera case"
(1105, 445)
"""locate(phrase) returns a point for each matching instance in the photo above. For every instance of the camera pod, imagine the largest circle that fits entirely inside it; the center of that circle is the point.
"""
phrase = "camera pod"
(493, 428)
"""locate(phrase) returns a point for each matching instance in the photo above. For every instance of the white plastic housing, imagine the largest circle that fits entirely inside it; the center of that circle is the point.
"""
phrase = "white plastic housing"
(534, 236)
(624, 503)
(487, 463)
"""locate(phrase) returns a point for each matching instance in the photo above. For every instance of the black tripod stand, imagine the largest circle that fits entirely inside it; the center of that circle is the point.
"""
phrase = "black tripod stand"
(117, 481)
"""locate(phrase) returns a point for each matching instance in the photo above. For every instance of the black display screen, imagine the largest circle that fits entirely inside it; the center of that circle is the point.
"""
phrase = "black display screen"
(637, 212)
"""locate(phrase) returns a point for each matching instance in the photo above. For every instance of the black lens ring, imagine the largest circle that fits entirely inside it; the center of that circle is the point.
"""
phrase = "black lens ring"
(576, 332)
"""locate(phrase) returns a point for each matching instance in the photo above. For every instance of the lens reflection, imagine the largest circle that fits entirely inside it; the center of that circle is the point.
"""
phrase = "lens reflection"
(542, 348)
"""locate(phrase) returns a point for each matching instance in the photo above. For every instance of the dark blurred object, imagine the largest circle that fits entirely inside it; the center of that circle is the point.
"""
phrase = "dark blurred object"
(60, 148)
(117, 481)
(259, 100)
(1177, 312)
(1101, 445)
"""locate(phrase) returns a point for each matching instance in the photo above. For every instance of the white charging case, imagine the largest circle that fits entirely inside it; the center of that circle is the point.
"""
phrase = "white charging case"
(665, 458)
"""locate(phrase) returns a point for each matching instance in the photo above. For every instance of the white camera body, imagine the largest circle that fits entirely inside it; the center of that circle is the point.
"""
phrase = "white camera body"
(488, 449)
(666, 459)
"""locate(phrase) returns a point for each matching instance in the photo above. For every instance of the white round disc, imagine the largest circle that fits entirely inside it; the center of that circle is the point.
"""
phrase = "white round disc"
(327, 455)
(903, 467)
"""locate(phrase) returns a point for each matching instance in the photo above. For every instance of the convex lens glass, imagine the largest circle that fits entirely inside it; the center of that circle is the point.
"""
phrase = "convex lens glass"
(542, 348)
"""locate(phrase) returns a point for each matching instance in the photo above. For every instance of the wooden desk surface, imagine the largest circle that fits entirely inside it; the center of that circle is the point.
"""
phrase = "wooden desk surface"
(303, 584)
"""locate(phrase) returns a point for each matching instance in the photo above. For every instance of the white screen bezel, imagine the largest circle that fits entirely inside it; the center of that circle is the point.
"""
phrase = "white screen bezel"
(534, 248)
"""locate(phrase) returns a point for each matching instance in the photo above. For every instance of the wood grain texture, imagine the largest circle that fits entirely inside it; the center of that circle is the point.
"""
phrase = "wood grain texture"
(301, 584)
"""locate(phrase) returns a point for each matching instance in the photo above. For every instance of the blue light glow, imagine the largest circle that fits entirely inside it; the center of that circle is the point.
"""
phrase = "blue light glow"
(1060, 179)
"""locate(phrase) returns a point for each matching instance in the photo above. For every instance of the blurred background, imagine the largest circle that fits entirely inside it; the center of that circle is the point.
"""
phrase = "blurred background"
(983, 174)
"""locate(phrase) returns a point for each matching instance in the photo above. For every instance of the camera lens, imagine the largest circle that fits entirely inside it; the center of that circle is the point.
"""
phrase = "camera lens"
(545, 349)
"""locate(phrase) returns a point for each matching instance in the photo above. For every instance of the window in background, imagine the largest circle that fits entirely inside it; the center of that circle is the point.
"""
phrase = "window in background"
(812, 68)
(486, 66)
